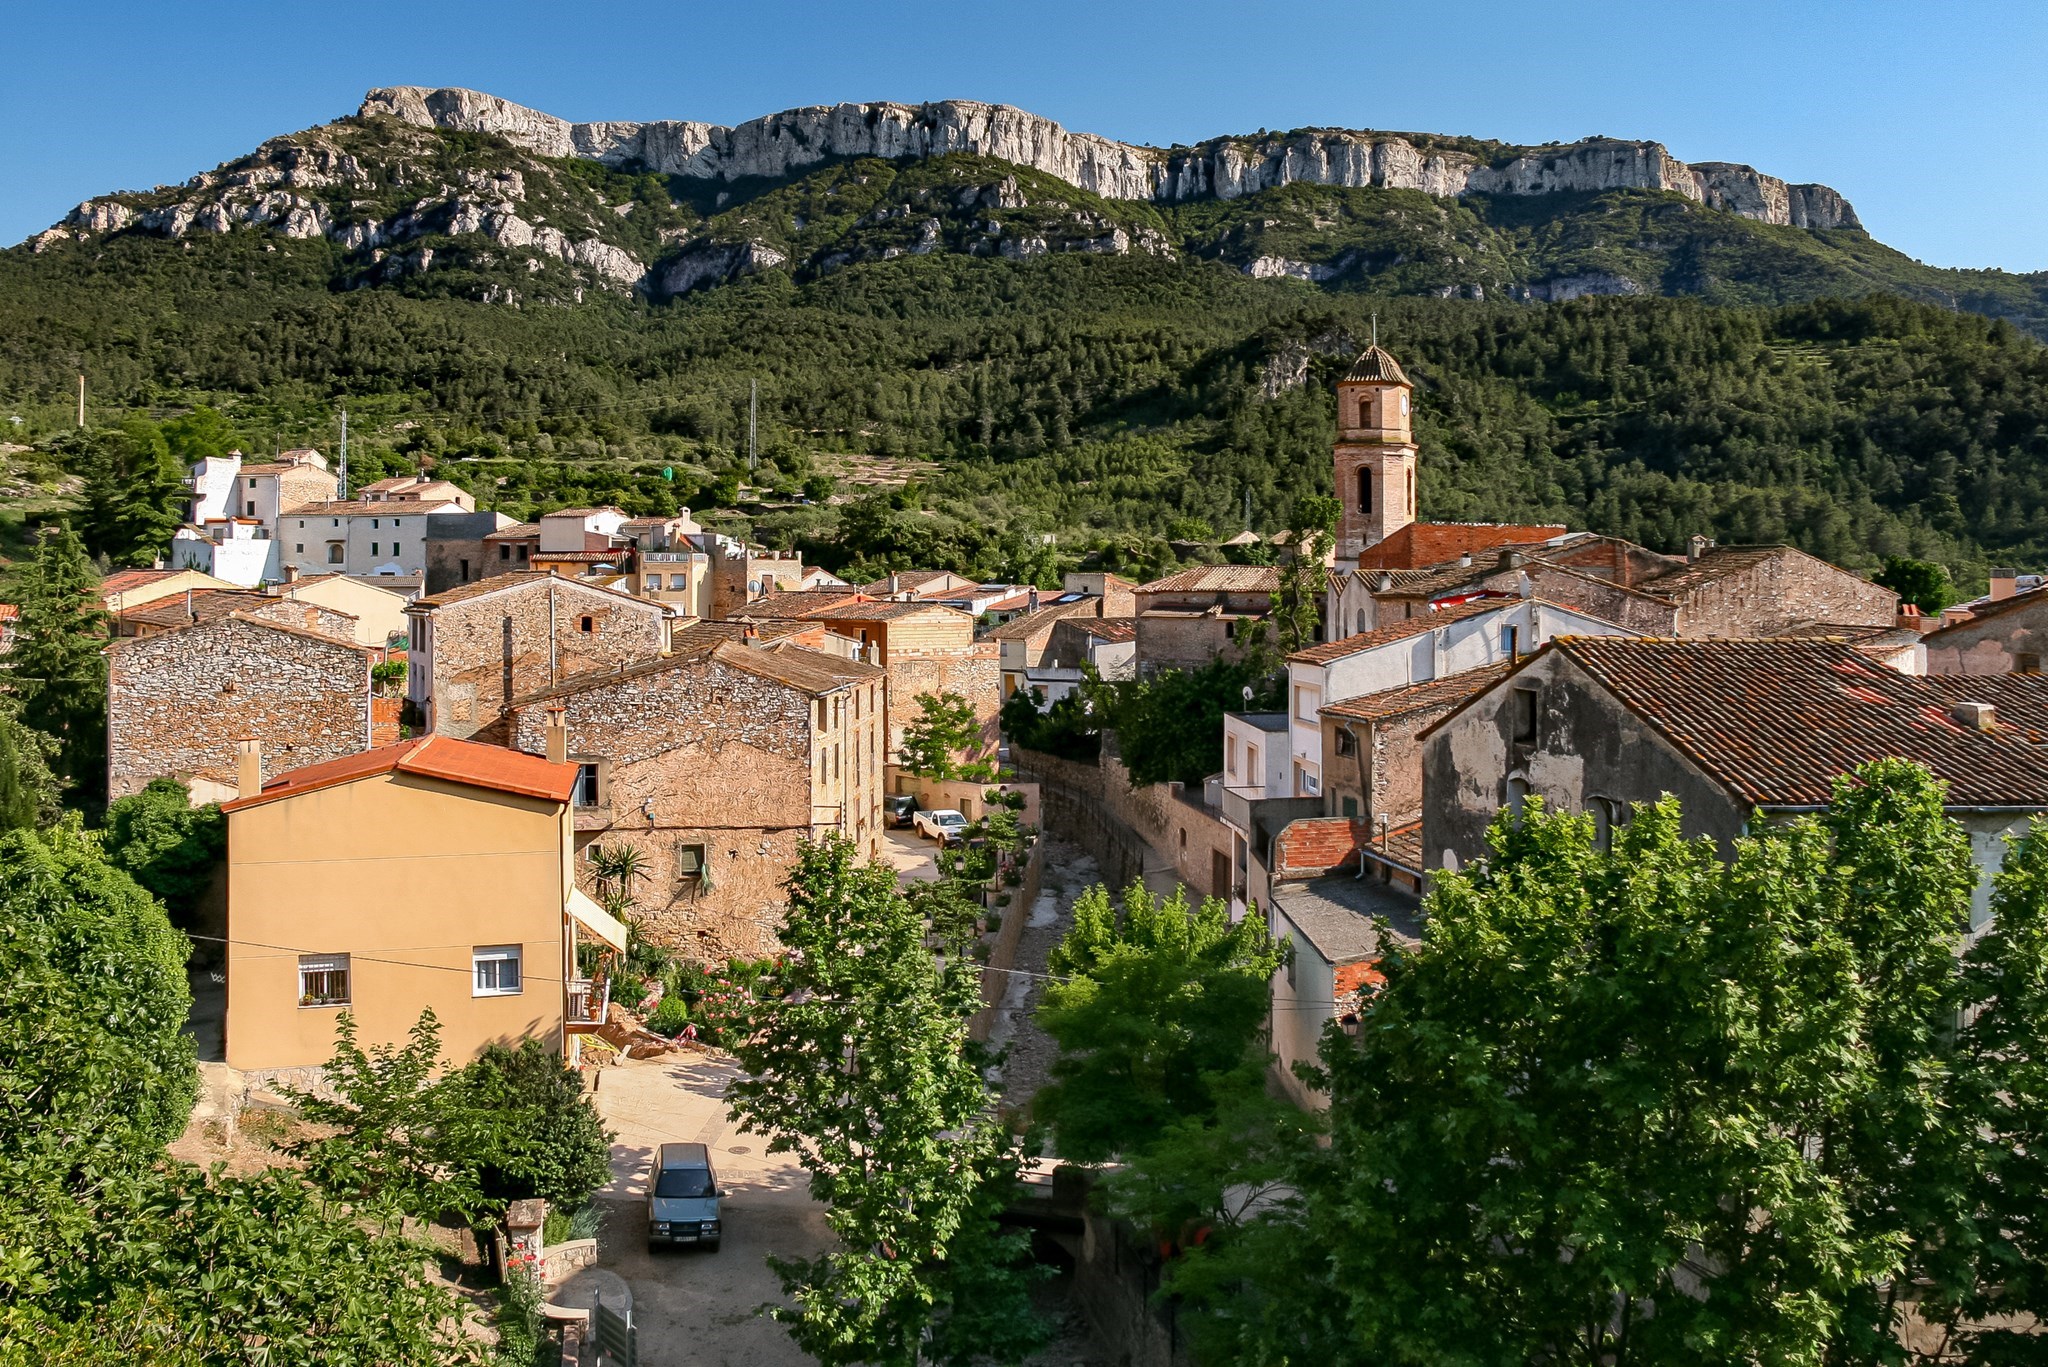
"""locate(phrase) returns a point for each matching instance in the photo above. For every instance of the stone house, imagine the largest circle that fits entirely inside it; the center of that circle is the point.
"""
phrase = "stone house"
(179, 702)
(1188, 619)
(208, 605)
(379, 611)
(1024, 642)
(461, 549)
(477, 646)
(2004, 636)
(1108, 645)
(417, 489)
(430, 873)
(1435, 642)
(716, 764)
(1740, 731)
(1373, 749)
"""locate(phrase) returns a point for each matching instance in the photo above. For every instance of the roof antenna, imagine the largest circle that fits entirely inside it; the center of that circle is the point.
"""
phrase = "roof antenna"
(1375, 331)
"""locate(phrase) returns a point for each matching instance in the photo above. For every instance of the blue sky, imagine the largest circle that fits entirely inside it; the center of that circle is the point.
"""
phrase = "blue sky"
(1929, 117)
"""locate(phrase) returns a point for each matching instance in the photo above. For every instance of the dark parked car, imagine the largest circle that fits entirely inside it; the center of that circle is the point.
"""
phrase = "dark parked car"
(899, 809)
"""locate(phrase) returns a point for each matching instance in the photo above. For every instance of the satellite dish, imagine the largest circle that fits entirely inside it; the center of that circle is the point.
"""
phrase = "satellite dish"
(1247, 695)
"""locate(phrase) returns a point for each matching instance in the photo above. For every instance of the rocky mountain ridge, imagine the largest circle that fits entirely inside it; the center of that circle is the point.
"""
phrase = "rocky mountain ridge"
(785, 143)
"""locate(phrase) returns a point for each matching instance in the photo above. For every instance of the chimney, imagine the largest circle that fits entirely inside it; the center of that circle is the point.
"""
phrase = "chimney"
(248, 767)
(751, 634)
(1697, 547)
(1032, 601)
(2004, 583)
(1977, 716)
(895, 584)
(1510, 560)
(291, 574)
(1385, 582)
(555, 722)
(1465, 560)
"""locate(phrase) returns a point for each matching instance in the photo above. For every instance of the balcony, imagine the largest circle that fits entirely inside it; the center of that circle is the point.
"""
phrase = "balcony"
(584, 1004)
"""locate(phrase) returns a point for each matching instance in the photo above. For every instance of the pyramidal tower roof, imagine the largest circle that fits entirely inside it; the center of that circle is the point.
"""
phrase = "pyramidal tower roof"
(1374, 366)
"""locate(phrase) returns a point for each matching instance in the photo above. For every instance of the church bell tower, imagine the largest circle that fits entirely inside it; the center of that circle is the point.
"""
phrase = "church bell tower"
(1375, 453)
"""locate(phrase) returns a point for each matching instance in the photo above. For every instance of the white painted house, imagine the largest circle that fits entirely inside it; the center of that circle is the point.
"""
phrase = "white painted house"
(359, 536)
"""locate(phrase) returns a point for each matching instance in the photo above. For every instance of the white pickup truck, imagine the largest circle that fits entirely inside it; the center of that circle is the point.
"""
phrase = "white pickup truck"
(942, 825)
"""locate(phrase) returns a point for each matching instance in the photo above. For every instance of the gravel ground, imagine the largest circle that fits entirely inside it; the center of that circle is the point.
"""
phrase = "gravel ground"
(1028, 1051)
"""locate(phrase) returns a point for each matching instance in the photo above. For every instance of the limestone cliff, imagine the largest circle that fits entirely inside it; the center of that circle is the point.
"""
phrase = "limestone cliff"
(780, 144)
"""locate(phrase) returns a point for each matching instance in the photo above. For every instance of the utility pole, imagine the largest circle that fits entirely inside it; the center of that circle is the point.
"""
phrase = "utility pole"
(753, 412)
(341, 487)
(81, 400)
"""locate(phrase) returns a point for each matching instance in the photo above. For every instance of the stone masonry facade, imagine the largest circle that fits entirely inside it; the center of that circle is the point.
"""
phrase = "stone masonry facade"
(177, 703)
(489, 647)
(716, 775)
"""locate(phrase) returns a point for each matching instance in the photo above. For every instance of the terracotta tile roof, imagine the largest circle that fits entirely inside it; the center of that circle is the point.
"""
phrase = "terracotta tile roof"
(808, 671)
(1397, 631)
(800, 602)
(201, 605)
(1403, 845)
(879, 612)
(1983, 611)
(2021, 699)
(1431, 581)
(914, 581)
(1314, 846)
(1375, 366)
(518, 531)
(1218, 579)
(1777, 721)
(704, 635)
(512, 579)
(443, 757)
(585, 512)
(281, 467)
(586, 557)
(1421, 544)
(1399, 702)
(120, 581)
(1108, 628)
(1045, 619)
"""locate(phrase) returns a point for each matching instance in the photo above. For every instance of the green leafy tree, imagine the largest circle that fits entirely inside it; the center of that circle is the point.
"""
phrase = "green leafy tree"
(134, 497)
(1170, 726)
(1155, 1005)
(202, 434)
(93, 1001)
(166, 844)
(1298, 607)
(55, 669)
(942, 741)
(1642, 1105)
(520, 1120)
(383, 1135)
(862, 1067)
(30, 796)
(1922, 583)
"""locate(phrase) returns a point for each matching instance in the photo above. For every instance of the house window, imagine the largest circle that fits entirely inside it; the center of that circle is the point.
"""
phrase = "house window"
(302, 524)
(1518, 793)
(465, 570)
(690, 863)
(1525, 716)
(323, 980)
(373, 524)
(1361, 621)
(1364, 490)
(335, 552)
(299, 548)
(1306, 701)
(525, 553)
(1347, 744)
(585, 625)
(586, 793)
(497, 971)
(1230, 757)
(2025, 663)
(1351, 806)
(394, 548)
(1365, 410)
(1252, 772)
(373, 548)
(1307, 782)
(251, 505)
(504, 552)
(1511, 641)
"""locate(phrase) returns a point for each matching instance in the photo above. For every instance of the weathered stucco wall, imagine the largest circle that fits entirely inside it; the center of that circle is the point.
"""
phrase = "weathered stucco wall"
(1993, 644)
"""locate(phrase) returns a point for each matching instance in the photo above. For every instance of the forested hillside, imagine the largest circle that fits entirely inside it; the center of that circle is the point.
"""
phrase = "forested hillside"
(1111, 395)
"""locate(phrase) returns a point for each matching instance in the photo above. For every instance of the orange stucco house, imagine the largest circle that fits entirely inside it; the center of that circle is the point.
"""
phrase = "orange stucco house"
(432, 873)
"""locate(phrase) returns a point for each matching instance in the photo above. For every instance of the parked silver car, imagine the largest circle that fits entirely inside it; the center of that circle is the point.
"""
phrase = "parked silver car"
(682, 1197)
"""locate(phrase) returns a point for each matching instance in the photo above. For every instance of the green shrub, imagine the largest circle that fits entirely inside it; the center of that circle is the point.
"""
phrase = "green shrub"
(670, 1016)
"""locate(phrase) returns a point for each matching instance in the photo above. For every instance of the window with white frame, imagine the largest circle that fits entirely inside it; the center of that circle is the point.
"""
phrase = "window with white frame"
(497, 971)
(323, 980)
(1307, 702)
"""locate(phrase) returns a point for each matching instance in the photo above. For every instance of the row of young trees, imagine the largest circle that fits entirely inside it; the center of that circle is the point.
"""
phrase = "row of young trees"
(1653, 1103)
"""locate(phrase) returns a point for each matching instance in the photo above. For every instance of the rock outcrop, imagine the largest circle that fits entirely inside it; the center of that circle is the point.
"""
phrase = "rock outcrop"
(789, 142)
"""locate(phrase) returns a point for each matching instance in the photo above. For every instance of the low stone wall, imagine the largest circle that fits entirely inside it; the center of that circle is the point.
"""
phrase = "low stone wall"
(1151, 833)
(1002, 956)
(559, 1261)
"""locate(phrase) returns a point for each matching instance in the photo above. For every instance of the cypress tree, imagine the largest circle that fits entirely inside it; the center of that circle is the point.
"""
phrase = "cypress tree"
(55, 670)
